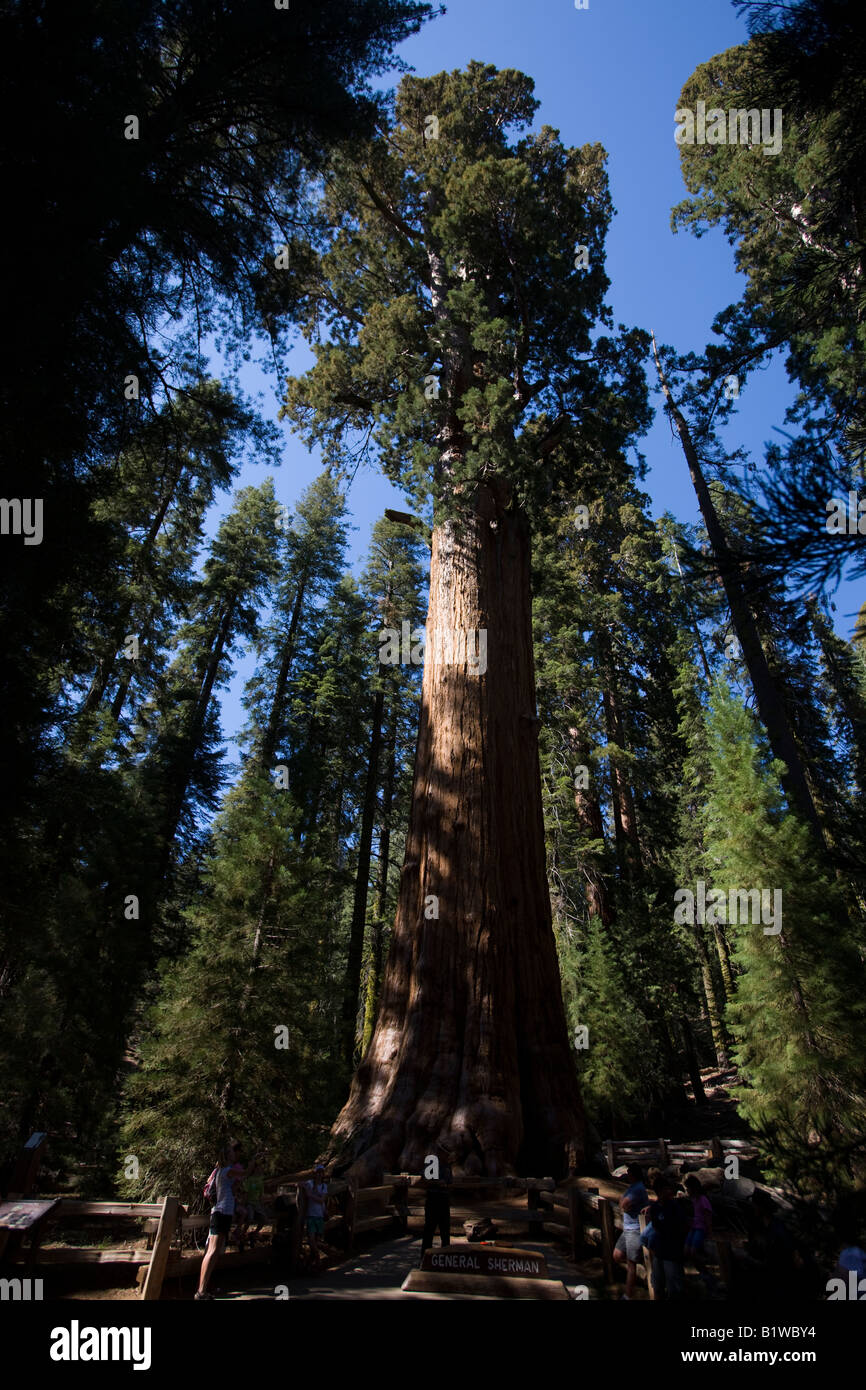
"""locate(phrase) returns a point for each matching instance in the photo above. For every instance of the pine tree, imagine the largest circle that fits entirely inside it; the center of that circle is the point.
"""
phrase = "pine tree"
(391, 586)
(255, 1000)
(617, 1053)
(180, 732)
(607, 623)
(797, 1023)
(795, 219)
(173, 143)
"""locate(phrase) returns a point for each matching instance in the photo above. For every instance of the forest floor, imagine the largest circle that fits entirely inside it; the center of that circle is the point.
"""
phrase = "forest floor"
(718, 1115)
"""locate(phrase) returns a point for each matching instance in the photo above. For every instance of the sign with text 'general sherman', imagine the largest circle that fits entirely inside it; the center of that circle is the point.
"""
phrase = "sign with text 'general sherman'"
(486, 1259)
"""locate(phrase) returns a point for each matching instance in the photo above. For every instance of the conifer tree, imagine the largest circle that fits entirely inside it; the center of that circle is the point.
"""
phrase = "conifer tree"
(608, 624)
(458, 313)
(173, 142)
(796, 221)
(256, 998)
(391, 586)
(179, 729)
(797, 1016)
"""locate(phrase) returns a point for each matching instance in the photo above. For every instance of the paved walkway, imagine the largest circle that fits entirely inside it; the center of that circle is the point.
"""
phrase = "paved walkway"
(379, 1272)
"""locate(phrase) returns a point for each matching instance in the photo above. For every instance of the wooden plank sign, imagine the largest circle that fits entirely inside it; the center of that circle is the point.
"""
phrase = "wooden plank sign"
(486, 1259)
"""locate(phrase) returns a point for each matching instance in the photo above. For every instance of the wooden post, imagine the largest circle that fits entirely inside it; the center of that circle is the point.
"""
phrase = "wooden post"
(605, 1214)
(717, 1152)
(647, 1258)
(536, 1215)
(609, 1154)
(575, 1220)
(298, 1229)
(663, 1154)
(159, 1258)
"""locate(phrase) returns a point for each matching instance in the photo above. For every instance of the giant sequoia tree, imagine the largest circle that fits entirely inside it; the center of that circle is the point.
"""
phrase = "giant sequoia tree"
(460, 346)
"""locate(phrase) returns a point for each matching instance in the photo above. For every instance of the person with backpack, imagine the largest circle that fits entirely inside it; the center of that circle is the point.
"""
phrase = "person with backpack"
(219, 1189)
(671, 1219)
(317, 1201)
(628, 1247)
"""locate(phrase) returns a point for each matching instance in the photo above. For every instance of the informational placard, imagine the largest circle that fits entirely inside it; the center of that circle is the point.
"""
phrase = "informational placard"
(486, 1259)
(22, 1214)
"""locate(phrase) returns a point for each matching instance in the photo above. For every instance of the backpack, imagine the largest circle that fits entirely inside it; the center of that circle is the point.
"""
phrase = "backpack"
(209, 1190)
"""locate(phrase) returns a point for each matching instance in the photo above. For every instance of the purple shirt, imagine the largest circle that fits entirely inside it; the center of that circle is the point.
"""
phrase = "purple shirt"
(703, 1209)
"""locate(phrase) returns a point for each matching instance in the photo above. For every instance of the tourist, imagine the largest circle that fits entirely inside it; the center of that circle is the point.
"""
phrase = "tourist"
(772, 1247)
(701, 1230)
(437, 1199)
(628, 1248)
(671, 1219)
(317, 1200)
(221, 1191)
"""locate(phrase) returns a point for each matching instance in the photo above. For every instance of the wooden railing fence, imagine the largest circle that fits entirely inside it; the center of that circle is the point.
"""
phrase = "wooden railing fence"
(577, 1216)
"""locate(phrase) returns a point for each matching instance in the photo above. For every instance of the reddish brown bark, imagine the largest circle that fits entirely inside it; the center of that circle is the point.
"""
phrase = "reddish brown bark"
(470, 1045)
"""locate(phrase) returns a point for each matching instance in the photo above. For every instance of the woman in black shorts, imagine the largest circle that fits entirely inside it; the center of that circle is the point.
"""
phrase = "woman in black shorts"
(221, 1218)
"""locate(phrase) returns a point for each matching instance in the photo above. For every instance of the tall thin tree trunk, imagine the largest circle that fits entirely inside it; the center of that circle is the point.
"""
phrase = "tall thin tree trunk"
(352, 985)
(714, 1012)
(723, 951)
(471, 1045)
(672, 1057)
(374, 978)
(692, 1062)
(177, 790)
(771, 707)
(275, 716)
(624, 818)
(590, 820)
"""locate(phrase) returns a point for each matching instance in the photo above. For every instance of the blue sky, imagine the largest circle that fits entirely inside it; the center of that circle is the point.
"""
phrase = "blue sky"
(612, 74)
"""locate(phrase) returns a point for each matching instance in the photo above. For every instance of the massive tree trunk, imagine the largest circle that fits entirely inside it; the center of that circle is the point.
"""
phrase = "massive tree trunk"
(471, 1046)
